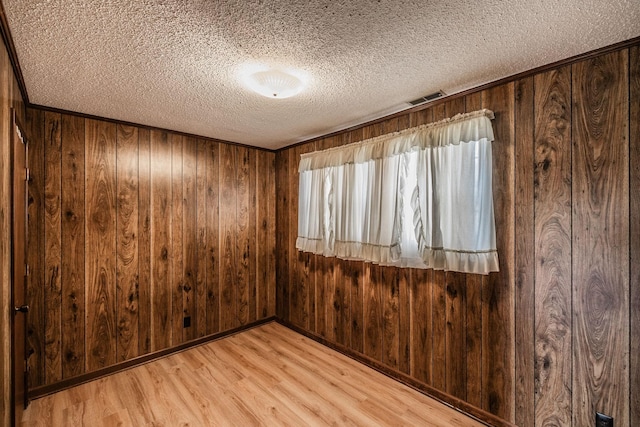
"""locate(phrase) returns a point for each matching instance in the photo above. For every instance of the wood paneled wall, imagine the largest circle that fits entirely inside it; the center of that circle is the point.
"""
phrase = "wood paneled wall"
(554, 336)
(10, 97)
(133, 229)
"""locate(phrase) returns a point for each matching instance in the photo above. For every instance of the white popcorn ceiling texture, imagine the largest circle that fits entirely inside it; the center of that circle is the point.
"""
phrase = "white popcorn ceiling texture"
(176, 64)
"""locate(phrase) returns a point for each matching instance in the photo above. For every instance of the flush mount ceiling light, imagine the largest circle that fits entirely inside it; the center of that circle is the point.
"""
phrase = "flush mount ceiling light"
(275, 84)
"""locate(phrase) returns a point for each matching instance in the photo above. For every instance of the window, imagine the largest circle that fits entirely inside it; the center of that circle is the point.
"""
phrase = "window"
(418, 198)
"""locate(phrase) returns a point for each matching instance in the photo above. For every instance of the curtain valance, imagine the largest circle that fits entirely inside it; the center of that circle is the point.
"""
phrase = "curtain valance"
(475, 126)
(417, 198)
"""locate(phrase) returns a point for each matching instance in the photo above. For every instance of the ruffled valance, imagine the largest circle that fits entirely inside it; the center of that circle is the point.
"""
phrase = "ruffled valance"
(474, 126)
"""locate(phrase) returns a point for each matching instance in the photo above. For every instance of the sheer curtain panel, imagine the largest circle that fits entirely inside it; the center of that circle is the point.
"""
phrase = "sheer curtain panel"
(418, 198)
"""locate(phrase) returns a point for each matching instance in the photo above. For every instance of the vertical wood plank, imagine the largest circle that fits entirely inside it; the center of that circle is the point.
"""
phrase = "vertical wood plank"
(36, 245)
(404, 320)
(127, 242)
(552, 186)
(100, 245)
(190, 289)
(474, 316)
(456, 337)
(213, 237)
(600, 238)
(498, 296)
(282, 238)
(202, 243)
(252, 233)
(421, 325)
(525, 252)
(271, 239)
(634, 234)
(176, 241)
(144, 242)
(242, 235)
(228, 256)
(73, 278)
(262, 233)
(390, 286)
(52, 250)
(161, 256)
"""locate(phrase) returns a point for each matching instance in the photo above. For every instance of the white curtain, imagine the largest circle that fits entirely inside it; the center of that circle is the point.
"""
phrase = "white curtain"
(419, 198)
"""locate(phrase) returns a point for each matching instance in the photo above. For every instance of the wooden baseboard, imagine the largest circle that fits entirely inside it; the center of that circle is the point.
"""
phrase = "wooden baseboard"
(44, 390)
(451, 401)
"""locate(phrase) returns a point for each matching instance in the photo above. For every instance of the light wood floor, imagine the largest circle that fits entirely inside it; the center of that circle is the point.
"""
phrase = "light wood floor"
(267, 376)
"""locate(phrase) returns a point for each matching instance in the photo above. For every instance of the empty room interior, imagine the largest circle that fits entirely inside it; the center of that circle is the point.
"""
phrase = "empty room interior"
(297, 213)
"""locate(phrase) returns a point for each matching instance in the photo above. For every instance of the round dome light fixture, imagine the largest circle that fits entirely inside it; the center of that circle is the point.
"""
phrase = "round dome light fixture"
(275, 84)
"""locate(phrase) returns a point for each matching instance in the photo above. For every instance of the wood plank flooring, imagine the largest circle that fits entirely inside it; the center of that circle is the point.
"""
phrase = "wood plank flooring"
(268, 376)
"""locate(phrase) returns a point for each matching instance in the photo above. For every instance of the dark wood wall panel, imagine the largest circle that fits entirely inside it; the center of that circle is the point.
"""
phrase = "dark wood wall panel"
(546, 340)
(73, 249)
(525, 252)
(35, 255)
(552, 189)
(52, 249)
(144, 241)
(100, 244)
(127, 239)
(634, 233)
(161, 253)
(600, 172)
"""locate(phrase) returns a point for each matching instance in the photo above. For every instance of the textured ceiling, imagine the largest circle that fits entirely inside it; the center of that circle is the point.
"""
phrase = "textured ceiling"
(177, 64)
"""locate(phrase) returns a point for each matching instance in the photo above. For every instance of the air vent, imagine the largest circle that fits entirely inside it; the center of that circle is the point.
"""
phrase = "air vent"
(427, 98)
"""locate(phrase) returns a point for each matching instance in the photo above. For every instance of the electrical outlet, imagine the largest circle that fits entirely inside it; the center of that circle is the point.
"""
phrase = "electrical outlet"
(186, 322)
(603, 420)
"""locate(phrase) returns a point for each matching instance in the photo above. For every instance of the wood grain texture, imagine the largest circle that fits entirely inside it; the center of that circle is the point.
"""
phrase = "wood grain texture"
(161, 255)
(252, 231)
(271, 246)
(600, 229)
(524, 257)
(262, 226)
(552, 187)
(141, 224)
(127, 269)
(213, 238)
(176, 241)
(52, 249)
(634, 234)
(190, 289)
(258, 377)
(498, 321)
(242, 244)
(100, 243)
(282, 235)
(144, 242)
(507, 314)
(35, 252)
(201, 239)
(228, 250)
(72, 255)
